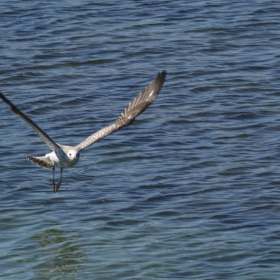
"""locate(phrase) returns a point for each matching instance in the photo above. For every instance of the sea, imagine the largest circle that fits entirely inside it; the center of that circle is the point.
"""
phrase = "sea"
(191, 189)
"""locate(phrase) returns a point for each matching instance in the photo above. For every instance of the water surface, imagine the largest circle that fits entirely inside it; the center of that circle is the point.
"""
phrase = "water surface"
(191, 189)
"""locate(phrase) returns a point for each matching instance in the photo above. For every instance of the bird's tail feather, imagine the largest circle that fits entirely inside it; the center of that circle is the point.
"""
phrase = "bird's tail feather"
(41, 161)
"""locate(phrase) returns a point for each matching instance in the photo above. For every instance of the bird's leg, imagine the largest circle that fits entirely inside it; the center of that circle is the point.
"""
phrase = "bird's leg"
(53, 183)
(56, 186)
(59, 182)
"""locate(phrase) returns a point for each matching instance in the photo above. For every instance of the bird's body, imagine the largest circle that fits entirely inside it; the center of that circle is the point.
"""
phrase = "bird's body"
(63, 156)
(68, 157)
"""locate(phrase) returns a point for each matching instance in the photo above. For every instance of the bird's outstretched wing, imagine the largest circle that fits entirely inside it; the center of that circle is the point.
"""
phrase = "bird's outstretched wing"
(134, 108)
(37, 129)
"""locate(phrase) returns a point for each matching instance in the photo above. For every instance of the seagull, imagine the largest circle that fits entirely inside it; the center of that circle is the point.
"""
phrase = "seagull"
(64, 156)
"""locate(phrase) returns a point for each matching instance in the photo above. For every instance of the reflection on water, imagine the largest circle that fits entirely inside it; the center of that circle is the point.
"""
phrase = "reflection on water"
(63, 249)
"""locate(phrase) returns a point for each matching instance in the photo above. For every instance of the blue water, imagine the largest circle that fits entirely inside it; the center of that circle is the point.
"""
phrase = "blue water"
(191, 189)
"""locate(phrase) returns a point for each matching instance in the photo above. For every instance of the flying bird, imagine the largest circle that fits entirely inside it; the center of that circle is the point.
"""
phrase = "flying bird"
(63, 156)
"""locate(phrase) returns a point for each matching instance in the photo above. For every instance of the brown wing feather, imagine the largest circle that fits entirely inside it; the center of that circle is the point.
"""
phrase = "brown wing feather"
(138, 105)
(44, 136)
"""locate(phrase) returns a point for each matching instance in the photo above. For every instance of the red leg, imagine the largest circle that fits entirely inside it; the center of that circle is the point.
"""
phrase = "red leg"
(59, 182)
(53, 183)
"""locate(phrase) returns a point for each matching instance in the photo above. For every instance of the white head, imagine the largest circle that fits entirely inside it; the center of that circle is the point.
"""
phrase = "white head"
(73, 155)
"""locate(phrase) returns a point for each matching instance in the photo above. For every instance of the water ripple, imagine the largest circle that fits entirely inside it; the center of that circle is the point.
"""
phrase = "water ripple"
(190, 189)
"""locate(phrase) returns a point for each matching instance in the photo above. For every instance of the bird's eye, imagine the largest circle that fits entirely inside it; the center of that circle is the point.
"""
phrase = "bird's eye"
(69, 154)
